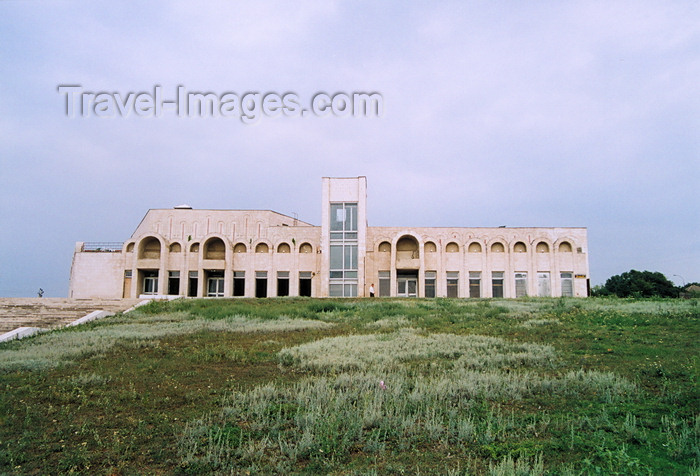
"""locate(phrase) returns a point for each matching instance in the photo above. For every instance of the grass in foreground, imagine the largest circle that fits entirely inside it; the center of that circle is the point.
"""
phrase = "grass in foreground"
(305, 386)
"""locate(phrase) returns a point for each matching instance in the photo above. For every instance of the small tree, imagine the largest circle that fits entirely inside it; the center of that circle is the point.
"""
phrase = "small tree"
(640, 284)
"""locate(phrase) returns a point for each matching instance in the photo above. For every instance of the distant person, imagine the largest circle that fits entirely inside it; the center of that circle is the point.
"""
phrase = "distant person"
(371, 290)
(40, 293)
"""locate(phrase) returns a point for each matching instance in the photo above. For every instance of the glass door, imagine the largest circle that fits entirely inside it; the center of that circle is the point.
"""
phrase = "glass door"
(215, 287)
(406, 287)
(150, 285)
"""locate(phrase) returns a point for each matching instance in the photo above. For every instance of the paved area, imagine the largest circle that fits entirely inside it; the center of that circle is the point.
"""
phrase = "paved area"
(49, 313)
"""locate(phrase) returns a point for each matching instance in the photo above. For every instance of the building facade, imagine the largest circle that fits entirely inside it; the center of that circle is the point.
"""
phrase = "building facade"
(261, 253)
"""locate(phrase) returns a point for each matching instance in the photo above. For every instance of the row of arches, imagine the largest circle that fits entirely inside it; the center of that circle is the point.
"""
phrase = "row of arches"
(408, 244)
(213, 248)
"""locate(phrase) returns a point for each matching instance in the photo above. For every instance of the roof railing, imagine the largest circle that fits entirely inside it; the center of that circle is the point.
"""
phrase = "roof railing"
(106, 246)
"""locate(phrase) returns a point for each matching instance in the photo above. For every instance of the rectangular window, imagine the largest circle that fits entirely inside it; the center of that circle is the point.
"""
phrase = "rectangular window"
(384, 283)
(305, 283)
(344, 257)
(343, 250)
(543, 284)
(430, 279)
(283, 283)
(335, 290)
(173, 283)
(497, 284)
(350, 256)
(520, 284)
(343, 288)
(337, 216)
(239, 283)
(127, 273)
(337, 257)
(192, 284)
(453, 284)
(343, 221)
(260, 284)
(350, 290)
(567, 284)
(474, 284)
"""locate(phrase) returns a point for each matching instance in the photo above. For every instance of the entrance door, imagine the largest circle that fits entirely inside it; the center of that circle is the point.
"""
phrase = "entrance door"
(150, 285)
(215, 287)
(215, 283)
(127, 284)
(406, 286)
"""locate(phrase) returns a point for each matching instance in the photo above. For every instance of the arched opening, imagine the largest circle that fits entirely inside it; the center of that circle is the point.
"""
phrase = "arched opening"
(565, 247)
(430, 247)
(149, 248)
(262, 248)
(194, 248)
(306, 248)
(407, 264)
(452, 247)
(498, 248)
(542, 247)
(130, 248)
(520, 247)
(175, 248)
(283, 248)
(474, 248)
(240, 248)
(384, 247)
(214, 248)
(407, 248)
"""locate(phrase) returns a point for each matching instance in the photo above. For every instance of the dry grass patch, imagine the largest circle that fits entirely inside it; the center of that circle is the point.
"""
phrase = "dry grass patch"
(61, 347)
(361, 352)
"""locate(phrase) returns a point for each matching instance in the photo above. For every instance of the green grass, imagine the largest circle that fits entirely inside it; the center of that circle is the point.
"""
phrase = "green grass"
(383, 386)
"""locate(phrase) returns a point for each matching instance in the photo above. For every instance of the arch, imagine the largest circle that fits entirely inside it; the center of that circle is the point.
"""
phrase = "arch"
(130, 248)
(262, 248)
(214, 248)
(240, 248)
(194, 247)
(474, 247)
(283, 248)
(407, 245)
(542, 247)
(565, 247)
(452, 247)
(519, 247)
(384, 247)
(149, 248)
(430, 247)
(175, 248)
(306, 248)
(497, 247)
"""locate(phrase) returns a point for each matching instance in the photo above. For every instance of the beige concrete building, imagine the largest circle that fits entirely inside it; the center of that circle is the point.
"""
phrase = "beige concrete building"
(261, 253)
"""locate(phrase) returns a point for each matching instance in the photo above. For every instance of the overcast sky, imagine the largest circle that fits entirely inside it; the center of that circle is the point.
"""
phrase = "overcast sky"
(495, 113)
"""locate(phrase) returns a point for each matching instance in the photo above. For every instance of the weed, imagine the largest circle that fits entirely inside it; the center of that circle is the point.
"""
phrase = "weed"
(359, 386)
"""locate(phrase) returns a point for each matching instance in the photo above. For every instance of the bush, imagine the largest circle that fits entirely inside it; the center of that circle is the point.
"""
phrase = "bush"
(639, 284)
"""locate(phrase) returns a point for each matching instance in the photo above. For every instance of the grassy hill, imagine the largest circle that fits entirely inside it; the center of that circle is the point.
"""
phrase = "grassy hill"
(309, 386)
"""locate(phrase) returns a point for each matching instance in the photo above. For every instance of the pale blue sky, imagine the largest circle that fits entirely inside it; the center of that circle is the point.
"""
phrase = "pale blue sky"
(496, 113)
